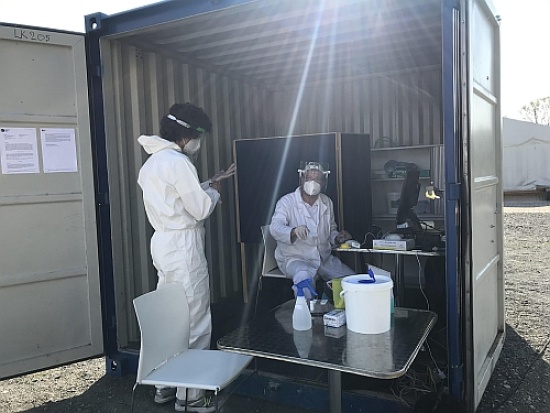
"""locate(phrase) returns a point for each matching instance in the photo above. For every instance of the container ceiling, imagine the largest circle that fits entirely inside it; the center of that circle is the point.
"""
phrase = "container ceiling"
(276, 43)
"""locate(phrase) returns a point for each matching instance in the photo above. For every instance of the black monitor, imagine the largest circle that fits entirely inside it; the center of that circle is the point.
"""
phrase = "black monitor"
(407, 221)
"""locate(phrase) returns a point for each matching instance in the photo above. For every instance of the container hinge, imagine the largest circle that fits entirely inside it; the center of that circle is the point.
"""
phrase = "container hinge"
(103, 198)
(453, 191)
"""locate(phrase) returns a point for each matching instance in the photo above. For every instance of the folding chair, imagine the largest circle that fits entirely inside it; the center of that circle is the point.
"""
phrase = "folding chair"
(165, 359)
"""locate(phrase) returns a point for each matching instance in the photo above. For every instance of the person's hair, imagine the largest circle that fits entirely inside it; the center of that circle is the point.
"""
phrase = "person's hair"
(196, 118)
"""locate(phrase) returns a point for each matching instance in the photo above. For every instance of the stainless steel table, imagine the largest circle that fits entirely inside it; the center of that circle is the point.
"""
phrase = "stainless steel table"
(384, 356)
(399, 277)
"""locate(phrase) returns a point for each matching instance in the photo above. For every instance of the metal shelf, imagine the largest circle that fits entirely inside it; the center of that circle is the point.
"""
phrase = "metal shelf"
(393, 148)
(421, 217)
(398, 179)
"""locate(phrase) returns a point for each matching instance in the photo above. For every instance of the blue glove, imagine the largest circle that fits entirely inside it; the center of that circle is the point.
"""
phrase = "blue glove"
(305, 285)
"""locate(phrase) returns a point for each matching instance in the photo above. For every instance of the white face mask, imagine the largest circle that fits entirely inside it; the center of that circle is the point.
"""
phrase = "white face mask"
(312, 188)
(192, 147)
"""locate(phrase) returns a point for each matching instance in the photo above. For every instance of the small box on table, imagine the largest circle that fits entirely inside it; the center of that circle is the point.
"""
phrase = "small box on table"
(335, 318)
(401, 245)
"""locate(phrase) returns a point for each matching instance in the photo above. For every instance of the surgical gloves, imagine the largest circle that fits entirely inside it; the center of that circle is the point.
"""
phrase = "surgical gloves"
(306, 287)
(220, 176)
(301, 232)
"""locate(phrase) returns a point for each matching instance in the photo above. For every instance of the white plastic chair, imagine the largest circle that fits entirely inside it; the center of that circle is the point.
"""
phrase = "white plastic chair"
(269, 264)
(165, 359)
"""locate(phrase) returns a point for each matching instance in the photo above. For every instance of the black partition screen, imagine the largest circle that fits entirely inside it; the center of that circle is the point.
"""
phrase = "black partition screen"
(356, 185)
(267, 169)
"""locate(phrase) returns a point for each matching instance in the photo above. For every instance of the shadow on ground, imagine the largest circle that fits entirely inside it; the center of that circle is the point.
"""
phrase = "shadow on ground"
(520, 380)
(113, 395)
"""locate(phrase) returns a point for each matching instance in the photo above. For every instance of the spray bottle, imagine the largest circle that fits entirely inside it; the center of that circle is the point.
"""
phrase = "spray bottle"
(301, 317)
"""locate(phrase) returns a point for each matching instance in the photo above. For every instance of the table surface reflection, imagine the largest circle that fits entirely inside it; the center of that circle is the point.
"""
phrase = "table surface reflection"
(384, 356)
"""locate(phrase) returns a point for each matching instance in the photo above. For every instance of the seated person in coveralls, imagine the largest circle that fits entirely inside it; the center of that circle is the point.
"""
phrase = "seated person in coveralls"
(305, 230)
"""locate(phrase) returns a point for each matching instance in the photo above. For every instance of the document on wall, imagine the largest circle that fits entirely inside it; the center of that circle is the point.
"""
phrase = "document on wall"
(58, 150)
(19, 151)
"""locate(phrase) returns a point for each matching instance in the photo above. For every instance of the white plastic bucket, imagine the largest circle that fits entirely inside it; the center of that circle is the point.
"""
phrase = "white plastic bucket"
(368, 303)
(392, 199)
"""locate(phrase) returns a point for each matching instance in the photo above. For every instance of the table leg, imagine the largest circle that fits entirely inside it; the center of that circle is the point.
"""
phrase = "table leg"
(399, 281)
(357, 263)
(335, 391)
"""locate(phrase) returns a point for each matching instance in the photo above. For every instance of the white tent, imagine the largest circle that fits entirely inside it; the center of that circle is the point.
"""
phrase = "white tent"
(526, 155)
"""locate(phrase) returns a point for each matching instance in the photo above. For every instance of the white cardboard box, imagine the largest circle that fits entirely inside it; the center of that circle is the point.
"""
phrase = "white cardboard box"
(400, 245)
(335, 318)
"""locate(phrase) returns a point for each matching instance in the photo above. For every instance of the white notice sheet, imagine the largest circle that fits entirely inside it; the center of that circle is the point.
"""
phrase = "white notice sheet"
(19, 151)
(58, 150)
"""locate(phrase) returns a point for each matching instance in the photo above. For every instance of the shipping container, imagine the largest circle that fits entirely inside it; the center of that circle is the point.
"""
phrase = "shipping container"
(420, 79)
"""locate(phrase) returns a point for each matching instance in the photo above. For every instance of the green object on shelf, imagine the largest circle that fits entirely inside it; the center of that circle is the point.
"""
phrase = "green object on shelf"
(384, 142)
(398, 172)
(398, 169)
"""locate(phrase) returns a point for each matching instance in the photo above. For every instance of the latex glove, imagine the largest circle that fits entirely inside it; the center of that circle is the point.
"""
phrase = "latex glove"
(306, 287)
(301, 232)
(228, 173)
(216, 185)
(342, 236)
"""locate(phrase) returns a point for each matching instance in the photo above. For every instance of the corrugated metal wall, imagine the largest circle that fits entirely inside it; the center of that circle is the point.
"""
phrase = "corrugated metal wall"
(403, 106)
(144, 86)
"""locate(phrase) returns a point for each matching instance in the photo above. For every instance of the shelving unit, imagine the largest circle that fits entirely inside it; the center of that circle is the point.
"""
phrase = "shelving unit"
(427, 158)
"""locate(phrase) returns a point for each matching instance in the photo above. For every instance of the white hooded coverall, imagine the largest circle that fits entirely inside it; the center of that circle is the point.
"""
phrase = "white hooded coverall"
(177, 205)
(305, 258)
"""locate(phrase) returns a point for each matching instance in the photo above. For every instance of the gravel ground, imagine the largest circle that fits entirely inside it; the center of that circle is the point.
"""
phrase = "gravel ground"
(520, 382)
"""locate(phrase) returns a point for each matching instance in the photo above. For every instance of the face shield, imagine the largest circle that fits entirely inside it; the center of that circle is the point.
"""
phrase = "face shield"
(313, 177)
(192, 147)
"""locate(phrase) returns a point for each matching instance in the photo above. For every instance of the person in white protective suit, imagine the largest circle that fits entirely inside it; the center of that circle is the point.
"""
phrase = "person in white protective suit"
(177, 204)
(304, 227)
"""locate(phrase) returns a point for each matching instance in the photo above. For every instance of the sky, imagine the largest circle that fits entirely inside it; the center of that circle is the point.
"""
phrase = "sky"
(525, 65)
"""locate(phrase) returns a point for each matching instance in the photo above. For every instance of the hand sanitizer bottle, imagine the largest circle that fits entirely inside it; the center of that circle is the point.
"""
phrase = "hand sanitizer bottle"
(301, 317)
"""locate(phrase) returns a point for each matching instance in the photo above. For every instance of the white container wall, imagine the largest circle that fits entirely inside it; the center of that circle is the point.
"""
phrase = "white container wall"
(526, 150)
